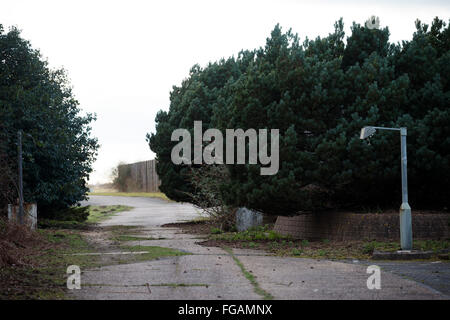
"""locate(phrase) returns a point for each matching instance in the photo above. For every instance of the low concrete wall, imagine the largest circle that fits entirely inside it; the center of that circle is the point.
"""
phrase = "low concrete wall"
(353, 226)
(29, 211)
(246, 219)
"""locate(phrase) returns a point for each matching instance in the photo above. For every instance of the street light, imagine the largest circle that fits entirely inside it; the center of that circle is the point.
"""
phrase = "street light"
(405, 209)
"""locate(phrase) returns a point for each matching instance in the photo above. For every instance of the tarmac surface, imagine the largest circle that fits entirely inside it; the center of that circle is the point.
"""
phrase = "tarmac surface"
(212, 273)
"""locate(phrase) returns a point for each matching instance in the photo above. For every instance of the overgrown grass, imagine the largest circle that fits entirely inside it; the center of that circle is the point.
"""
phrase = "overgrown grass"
(339, 250)
(263, 238)
(44, 276)
(101, 213)
(254, 234)
(95, 214)
(132, 194)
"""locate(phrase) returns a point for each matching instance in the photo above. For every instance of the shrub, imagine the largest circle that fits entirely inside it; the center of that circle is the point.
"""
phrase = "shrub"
(76, 214)
(207, 195)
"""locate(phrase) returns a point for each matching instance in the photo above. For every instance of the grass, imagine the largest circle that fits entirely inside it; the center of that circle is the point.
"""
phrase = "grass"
(120, 233)
(44, 276)
(255, 234)
(339, 250)
(124, 237)
(152, 253)
(264, 294)
(279, 245)
(216, 230)
(424, 245)
(100, 213)
(96, 214)
(175, 285)
(172, 285)
(132, 194)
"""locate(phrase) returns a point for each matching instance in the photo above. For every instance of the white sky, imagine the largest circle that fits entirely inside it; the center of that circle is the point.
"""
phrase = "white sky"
(123, 57)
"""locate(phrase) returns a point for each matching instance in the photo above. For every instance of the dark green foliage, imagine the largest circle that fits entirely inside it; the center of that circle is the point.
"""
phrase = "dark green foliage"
(363, 43)
(320, 94)
(121, 177)
(77, 214)
(58, 149)
(194, 100)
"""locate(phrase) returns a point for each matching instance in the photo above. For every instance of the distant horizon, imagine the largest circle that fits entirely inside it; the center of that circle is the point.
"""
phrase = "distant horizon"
(123, 59)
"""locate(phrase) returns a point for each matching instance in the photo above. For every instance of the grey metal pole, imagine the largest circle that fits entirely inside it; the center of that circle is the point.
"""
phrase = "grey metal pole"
(19, 138)
(405, 209)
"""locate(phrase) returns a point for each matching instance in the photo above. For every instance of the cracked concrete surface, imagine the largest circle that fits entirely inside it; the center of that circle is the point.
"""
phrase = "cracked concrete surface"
(211, 273)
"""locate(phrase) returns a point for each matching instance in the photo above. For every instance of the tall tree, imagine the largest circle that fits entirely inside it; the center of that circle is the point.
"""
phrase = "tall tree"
(57, 143)
(319, 94)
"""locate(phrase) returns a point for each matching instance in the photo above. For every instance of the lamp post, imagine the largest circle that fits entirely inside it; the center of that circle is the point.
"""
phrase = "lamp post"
(405, 209)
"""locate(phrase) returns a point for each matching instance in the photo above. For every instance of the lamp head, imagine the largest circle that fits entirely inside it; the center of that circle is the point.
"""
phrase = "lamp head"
(366, 132)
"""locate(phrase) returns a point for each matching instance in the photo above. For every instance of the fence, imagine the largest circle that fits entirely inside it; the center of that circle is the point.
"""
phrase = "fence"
(139, 177)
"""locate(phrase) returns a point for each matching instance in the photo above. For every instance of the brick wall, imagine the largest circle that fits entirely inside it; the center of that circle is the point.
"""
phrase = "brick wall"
(353, 226)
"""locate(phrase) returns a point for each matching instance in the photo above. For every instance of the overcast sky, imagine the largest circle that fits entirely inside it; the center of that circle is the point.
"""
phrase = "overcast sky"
(123, 57)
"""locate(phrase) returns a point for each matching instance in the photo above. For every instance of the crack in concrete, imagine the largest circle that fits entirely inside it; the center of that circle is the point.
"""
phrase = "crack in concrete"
(256, 287)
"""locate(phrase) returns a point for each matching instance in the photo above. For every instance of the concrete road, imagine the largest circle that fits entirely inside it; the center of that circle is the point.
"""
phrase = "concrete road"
(212, 273)
(147, 212)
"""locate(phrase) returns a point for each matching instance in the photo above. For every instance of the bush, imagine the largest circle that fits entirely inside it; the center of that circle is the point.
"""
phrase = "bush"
(75, 214)
(207, 195)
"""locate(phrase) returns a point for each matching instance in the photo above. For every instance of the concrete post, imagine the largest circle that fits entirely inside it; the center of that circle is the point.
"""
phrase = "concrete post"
(19, 149)
(405, 209)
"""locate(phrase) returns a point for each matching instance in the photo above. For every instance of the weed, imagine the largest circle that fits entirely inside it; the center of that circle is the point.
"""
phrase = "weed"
(215, 230)
(266, 295)
(103, 212)
(253, 245)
